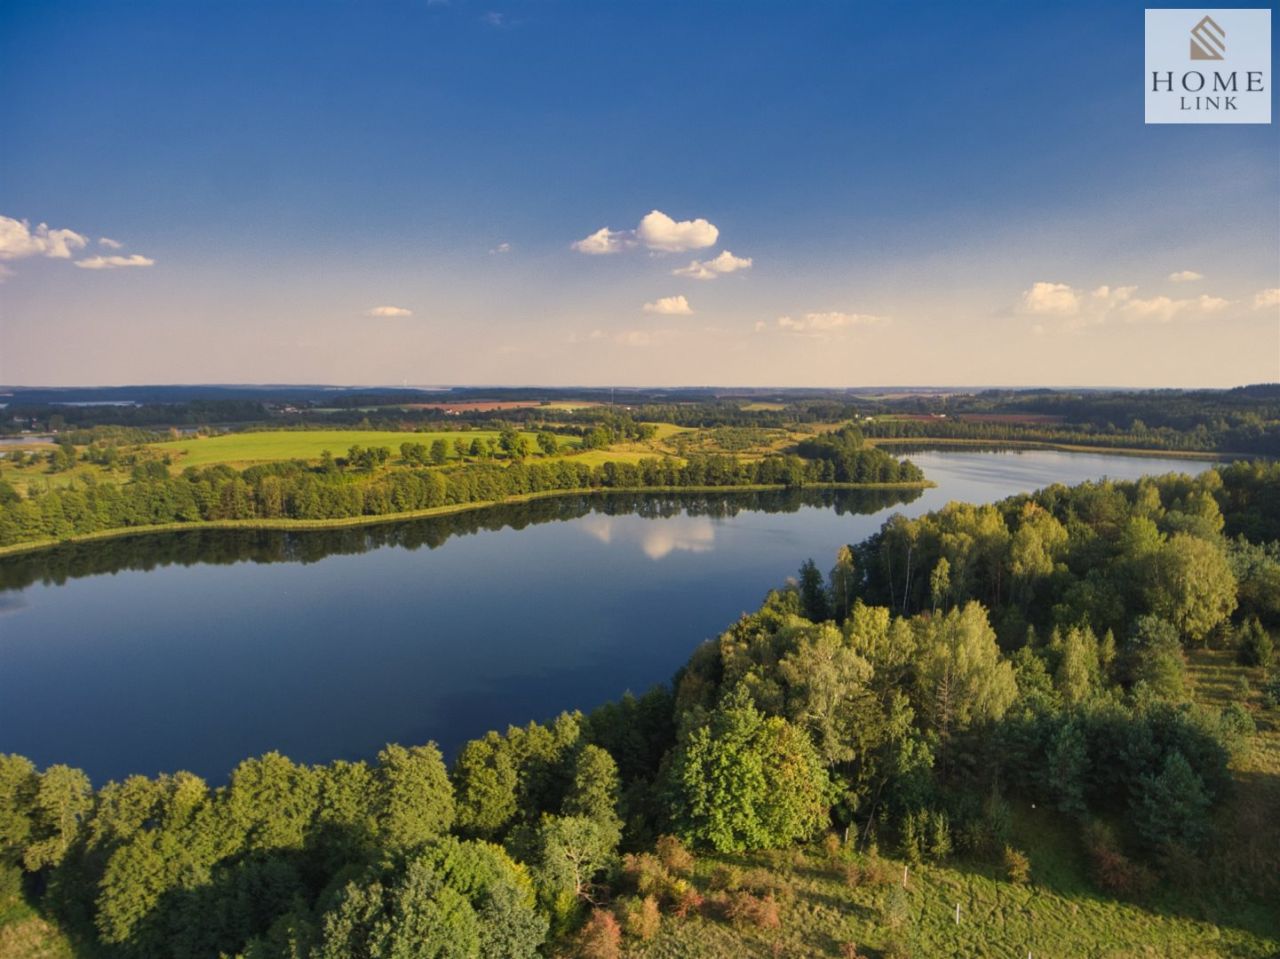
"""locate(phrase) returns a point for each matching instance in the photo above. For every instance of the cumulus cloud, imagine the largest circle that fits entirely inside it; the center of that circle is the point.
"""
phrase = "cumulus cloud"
(1186, 276)
(114, 262)
(500, 249)
(1162, 309)
(1107, 303)
(605, 240)
(109, 243)
(388, 311)
(1265, 298)
(725, 262)
(669, 306)
(657, 232)
(821, 324)
(18, 240)
(1056, 298)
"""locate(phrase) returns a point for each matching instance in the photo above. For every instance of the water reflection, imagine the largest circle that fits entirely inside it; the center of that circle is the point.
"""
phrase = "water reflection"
(683, 523)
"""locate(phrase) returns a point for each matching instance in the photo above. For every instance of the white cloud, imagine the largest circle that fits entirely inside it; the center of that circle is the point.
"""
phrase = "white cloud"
(388, 311)
(1056, 298)
(821, 324)
(1186, 276)
(113, 262)
(494, 19)
(605, 240)
(500, 249)
(109, 243)
(658, 231)
(725, 262)
(1264, 298)
(670, 306)
(1162, 309)
(18, 240)
(1106, 303)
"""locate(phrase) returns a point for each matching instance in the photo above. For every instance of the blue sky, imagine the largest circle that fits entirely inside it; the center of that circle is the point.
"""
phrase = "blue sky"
(927, 193)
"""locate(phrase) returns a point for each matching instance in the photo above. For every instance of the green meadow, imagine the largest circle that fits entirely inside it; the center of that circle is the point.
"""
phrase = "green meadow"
(240, 449)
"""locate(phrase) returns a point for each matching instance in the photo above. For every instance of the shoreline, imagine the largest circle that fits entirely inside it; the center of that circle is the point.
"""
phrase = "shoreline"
(449, 510)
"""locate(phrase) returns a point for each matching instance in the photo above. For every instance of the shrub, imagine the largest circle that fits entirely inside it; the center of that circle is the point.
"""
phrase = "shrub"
(897, 908)
(878, 872)
(939, 836)
(744, 909)
(849, 950)
(852, 874)
(1112, 870)
(674, 856)
(831, 845)
(646, 874)
(1255, 646)
(601, 937)
(641, 917)
(726, 878)
(1017, 867)
(684, 898)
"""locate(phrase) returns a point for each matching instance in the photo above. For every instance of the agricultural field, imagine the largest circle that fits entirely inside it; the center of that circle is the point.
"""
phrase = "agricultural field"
(244, 449)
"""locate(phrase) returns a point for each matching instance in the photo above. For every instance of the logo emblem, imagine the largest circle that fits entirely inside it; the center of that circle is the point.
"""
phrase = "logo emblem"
(1208, 40)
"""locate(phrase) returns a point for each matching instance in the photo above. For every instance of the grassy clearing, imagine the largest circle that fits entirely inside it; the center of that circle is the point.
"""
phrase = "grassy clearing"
(241, 449)
(822, 909)
(617, 454)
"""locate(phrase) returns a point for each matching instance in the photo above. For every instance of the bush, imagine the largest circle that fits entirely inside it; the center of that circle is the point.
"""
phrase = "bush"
(744, 909)
(831, 845)
(646, 874)
(674, 856)
(849, 950)
(896, 909)
(1112, 870)
(878, 872)
(641, 917)
(601, 937)
(1017, 867)
(685, 899)
(726, 878)
(1255, 646)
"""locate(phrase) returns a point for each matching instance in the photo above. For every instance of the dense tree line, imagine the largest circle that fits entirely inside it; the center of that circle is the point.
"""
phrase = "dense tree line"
(355, 486)
(203, 545)
(891, 702)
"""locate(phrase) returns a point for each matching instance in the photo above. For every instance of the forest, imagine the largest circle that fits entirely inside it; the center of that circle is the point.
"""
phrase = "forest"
(374, 481)
(1243, 420)
(944, 680)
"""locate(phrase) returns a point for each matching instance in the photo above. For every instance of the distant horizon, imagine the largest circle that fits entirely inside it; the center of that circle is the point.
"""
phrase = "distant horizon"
(432, 388)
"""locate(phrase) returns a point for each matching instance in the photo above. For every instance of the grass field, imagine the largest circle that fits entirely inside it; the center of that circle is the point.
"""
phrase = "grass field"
(242, 449)
(1057, 915)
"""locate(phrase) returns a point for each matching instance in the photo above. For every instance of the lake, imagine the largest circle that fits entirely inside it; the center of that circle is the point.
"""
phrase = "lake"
(194, 650)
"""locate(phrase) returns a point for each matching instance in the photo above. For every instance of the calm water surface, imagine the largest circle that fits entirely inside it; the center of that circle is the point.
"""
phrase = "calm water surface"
(195, 650)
